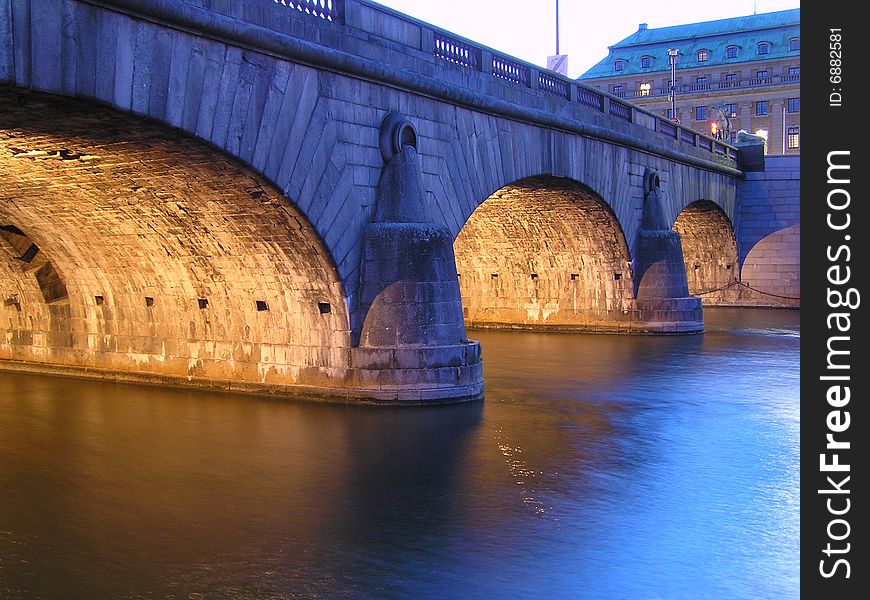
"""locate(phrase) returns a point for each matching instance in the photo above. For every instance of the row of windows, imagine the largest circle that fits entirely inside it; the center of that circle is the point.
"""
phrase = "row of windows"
(761, 106)
(645, 87)
(733, 51)
(761, 109)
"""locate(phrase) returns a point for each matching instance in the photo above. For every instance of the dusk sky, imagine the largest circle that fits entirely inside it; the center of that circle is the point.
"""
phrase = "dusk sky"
(586, 28)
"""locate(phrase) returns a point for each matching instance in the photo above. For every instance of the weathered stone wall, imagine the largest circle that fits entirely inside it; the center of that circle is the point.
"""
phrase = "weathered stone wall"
(548, 253)
(299, 101)
(769, 233)
(313, 131)
(176, 261)
(709, 252)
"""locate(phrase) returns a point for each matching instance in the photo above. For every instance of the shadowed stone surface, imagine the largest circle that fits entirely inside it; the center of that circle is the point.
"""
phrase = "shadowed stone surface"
(660, 272)
(770, 233)
(410, 300)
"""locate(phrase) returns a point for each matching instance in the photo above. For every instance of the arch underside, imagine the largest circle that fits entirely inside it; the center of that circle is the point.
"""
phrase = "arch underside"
(547, 253)
(166, 257)
(710, 253)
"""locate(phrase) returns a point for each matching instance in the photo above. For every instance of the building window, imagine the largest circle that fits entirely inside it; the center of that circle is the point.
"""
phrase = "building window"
(731, 52)
(730, 80)
(731, 110)
(618, 91)
(644, 89)
(794, 44)
(763, 48)
(761, 108)
(794, 137)
(702, 55)
(700, 113)
(794, 105)
(645, 62)
(700, 81)
(670, 114)
(619, 65)
(794, 70)
(761, 75)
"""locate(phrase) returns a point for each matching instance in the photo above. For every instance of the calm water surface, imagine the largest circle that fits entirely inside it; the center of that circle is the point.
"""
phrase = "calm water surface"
(597, 467)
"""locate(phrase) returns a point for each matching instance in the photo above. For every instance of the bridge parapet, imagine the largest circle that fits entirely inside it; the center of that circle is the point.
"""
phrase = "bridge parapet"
(463, 71)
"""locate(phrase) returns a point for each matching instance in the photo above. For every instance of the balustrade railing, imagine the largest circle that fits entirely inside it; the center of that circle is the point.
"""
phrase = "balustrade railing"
(695, 88)
(456, 51)
(687, 136)
(667, 128)
(328, 10)
(510, 70)
(618, 109)
(467, 54)
(553, 85)
(588, 97)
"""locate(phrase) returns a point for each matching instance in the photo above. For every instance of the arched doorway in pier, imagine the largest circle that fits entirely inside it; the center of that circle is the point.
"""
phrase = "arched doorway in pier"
(544, 253)
(709, 252)
(129, 247)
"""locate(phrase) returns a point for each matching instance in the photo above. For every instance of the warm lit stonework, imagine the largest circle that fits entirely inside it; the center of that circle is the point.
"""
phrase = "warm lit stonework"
(173, 259)
(316, 204)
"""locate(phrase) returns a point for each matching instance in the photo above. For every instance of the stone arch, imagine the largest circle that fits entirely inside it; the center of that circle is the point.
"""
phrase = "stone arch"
(709, 252)
(168, 259)
(544, 252)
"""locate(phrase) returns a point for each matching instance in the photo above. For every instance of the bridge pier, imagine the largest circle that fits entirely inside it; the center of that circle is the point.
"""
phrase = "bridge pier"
(662, 289)
(411, 345)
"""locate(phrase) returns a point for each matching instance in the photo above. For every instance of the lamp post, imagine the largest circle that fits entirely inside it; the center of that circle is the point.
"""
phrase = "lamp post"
(557, 27)
(672, 58)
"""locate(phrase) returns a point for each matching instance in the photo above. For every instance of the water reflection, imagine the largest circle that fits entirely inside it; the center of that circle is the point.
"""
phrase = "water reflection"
(597, 467)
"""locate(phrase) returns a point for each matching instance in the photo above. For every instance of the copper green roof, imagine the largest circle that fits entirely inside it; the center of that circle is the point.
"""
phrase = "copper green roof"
(775, 28)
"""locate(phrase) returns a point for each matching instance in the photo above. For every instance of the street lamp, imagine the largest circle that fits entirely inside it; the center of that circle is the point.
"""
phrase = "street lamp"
(672, 58)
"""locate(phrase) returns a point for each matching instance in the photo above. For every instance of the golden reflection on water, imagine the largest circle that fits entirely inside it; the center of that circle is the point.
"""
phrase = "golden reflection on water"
(621, 466)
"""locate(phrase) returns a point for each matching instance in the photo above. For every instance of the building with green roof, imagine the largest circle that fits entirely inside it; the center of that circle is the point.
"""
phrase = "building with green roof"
(739, 73)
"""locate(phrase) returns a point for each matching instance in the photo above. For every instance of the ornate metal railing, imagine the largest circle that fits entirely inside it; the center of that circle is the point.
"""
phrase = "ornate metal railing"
(328, 10)
(456, 51)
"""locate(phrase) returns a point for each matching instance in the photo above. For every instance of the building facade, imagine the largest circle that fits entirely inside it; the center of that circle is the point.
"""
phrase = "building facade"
(746, 69)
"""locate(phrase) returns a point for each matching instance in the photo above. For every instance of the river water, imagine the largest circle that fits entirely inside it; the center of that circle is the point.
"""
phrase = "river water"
(597, 467)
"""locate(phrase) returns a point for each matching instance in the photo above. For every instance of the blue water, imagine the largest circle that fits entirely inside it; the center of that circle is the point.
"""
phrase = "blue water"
(597, 467)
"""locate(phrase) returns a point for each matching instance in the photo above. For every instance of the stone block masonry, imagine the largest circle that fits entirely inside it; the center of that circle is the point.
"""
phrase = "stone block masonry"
(769, 233)
(219, 236)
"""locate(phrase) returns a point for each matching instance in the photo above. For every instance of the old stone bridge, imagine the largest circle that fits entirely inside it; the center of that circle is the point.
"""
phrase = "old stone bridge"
(315, 197)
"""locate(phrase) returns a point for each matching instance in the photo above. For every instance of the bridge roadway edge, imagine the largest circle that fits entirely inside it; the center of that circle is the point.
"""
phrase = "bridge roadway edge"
(199, 21)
